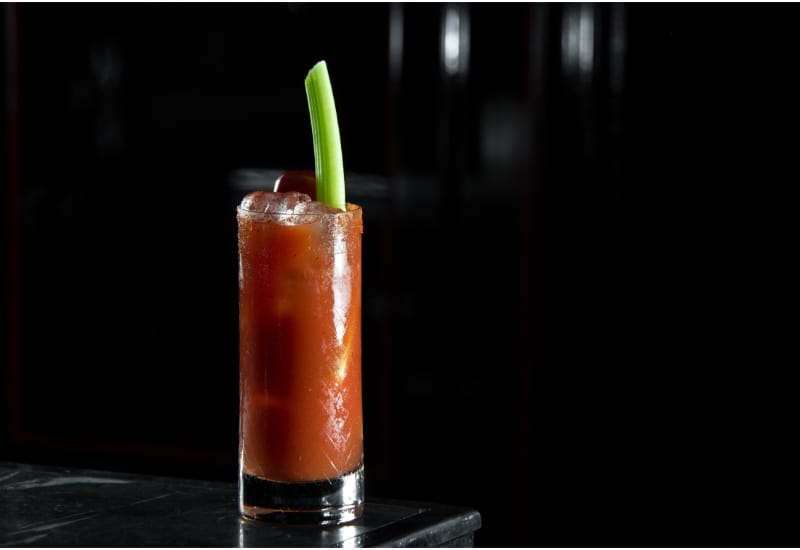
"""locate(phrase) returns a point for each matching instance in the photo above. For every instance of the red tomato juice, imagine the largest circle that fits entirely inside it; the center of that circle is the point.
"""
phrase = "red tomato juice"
(300, 345)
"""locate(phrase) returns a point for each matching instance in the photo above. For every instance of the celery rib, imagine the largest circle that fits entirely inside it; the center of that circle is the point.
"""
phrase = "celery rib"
(328, 163)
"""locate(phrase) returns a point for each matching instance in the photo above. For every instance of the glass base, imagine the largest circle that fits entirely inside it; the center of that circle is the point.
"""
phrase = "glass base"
(328, 502)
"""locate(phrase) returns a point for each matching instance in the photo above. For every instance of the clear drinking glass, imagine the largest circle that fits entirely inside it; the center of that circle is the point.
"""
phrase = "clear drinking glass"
(301, 435)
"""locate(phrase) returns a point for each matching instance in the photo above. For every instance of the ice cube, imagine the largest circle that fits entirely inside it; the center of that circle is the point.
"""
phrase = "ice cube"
(270, 202)
(288, 203)
(310, 212)
(257, 201)
(314, 207)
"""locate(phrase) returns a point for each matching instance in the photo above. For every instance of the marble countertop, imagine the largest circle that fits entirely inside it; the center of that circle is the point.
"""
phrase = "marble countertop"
(54, 506)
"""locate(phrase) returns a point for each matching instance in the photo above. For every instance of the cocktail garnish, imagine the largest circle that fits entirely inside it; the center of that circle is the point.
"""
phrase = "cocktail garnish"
(328, 164)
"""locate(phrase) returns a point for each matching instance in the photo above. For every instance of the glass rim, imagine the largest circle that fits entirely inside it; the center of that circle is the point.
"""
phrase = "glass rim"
(352, 209)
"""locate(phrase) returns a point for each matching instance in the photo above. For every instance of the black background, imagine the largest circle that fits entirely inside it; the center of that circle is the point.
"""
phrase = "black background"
(579, 307)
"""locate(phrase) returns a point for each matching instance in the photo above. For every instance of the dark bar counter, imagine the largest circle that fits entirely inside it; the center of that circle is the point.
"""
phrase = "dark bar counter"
(54, 506)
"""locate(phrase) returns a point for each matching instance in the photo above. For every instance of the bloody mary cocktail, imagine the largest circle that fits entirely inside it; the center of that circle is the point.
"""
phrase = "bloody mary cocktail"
(301, 441)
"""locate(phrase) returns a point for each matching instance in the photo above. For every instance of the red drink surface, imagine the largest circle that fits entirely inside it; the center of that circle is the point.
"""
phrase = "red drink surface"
(300, 345)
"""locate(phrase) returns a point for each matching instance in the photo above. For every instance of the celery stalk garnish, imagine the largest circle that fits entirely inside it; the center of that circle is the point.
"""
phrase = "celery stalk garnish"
(329, 168)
